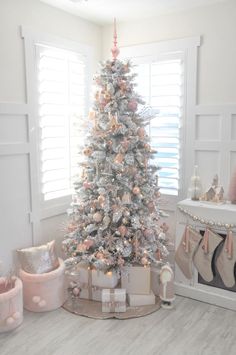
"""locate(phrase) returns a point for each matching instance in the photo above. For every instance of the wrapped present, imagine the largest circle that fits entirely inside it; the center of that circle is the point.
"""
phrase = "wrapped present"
(92, 282)
(114, 300)
(155, 280)
(136, 280)
(141, 300)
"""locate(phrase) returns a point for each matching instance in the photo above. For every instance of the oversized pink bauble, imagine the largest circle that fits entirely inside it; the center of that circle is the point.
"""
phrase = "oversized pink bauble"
(132, 105)
(123, 230)
(97, 217)
(76, 291)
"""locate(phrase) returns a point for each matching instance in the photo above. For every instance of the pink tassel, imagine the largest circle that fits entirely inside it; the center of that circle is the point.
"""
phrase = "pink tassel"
(206, 241)
(229, 244)
(186, 240)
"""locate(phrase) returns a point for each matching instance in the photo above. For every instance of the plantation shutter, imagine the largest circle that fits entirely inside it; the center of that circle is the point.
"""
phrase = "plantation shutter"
(61, 99)
(161, 85)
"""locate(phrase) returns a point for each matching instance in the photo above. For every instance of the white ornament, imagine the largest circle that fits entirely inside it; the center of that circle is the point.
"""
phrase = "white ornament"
(42, 303)
(36, 299)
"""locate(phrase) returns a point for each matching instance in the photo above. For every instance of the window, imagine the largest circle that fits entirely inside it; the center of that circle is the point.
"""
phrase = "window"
(61, 103)
(167, 80)
(58, 82)
(160, 83)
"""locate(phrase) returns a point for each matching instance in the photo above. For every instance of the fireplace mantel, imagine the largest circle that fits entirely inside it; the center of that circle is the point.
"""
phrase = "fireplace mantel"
(219, 215)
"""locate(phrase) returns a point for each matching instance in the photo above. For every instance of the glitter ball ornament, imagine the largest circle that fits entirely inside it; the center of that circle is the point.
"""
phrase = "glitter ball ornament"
(97, 217)
(87, 151)
(136, 190)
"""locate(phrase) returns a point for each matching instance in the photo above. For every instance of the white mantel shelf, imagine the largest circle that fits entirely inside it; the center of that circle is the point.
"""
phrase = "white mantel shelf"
(224, 212)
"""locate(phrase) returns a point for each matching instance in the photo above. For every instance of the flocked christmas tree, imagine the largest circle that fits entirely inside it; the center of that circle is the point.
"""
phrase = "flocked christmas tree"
(114, 219)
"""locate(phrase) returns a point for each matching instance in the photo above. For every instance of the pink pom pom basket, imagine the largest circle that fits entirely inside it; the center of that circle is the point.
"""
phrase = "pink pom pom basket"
(44, 292)
(11, 305)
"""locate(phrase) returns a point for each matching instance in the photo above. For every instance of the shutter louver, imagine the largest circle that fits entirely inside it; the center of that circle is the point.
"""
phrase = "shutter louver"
(61, 92)
(161, 85)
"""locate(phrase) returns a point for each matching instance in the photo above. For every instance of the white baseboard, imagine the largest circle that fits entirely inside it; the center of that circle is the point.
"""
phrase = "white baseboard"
(207, 295)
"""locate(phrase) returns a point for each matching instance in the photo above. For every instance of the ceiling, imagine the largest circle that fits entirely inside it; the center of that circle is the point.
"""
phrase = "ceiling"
(102, 12)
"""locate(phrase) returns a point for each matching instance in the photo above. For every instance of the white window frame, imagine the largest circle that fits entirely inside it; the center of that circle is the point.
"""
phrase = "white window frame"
(187, 48)
(57, 206)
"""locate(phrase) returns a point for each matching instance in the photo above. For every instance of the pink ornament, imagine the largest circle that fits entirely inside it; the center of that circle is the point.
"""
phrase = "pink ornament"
(122, 230)
(76, 291)
(132, 105)
(87, 185)
(136, 190)
(97, 217)
(141, 132)
(81, 247)
(88, 243)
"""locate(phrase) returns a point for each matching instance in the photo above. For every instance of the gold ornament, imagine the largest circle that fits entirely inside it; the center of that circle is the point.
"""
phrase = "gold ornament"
(97, 217)
(119, 158)
(136, 190)
(101, 199)
(87, 151)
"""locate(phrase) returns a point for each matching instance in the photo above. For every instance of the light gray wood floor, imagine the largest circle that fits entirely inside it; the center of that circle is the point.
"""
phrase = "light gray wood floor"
(191, 328)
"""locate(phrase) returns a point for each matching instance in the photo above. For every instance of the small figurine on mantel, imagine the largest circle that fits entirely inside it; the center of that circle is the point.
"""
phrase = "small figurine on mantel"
(215, 192)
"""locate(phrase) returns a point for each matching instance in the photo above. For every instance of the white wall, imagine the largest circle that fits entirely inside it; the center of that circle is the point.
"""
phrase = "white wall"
(15, 198)
(217, 55)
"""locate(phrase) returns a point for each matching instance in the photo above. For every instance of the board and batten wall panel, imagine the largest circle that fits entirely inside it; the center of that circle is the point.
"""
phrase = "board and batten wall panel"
(15, 201)
(17, 219)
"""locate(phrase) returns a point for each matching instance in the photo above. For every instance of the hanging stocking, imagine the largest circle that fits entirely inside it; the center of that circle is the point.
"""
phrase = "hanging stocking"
(186, 249)
(203, 257)
(226, 261)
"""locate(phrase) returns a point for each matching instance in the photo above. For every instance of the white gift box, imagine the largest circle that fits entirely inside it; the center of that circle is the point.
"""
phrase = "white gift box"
(114, 300)
(155, 280)
(141, 300)
(136, 280)
(92, 282)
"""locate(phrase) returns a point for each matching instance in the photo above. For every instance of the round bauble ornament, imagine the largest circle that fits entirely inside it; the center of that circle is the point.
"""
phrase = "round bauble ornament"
(97, 217)
(87, 151)
(87, 185)
(132, 105)
(136, 190)
(88, 243)
(76, 291)
(123, 230)
(36, 299)
(141, 132)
